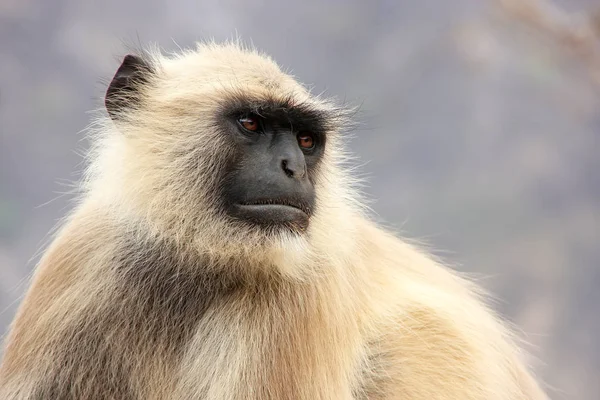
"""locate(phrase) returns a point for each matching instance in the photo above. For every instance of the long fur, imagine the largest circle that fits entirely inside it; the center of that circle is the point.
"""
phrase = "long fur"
(149, 292)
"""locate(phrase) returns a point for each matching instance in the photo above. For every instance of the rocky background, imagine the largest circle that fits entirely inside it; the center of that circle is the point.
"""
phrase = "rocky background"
(480, 133)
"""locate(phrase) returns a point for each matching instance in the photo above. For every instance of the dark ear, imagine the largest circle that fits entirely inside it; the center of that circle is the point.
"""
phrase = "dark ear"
(123, 91)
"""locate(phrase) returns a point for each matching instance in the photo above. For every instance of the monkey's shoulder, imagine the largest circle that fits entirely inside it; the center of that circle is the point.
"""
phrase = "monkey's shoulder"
(434, 326)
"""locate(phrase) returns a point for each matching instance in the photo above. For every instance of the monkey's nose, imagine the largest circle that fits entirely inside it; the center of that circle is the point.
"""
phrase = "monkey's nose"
(293, 168)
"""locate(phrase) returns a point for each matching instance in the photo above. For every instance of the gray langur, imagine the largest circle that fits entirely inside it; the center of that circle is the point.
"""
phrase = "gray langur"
(220, 251)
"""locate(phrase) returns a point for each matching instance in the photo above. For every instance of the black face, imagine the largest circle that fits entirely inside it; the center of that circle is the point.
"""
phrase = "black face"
(278, 151)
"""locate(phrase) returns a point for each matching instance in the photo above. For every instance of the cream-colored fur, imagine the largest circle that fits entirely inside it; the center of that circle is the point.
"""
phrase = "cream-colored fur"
(148, 292)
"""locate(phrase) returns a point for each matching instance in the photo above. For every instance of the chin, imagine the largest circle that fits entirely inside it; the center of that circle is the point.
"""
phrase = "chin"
(290, 252)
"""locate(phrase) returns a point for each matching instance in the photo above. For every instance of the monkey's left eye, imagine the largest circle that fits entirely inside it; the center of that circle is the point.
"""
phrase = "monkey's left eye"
(306, 140)
(249, 122)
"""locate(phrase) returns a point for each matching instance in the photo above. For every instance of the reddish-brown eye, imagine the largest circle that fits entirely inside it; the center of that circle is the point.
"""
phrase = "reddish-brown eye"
(249, 123)
(306, 140)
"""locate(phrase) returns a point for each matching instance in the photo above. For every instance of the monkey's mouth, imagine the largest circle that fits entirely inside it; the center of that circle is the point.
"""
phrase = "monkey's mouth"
(278, 203)
(289, 212)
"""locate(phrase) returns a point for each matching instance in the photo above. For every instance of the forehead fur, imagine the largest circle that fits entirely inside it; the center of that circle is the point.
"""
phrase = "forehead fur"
(231, 63)
(215, 70)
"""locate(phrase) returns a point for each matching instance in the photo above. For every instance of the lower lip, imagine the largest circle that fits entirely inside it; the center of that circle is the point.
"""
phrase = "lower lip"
(273, 214)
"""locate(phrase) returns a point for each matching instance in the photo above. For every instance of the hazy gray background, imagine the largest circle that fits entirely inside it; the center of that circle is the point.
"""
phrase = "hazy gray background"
(481, 134)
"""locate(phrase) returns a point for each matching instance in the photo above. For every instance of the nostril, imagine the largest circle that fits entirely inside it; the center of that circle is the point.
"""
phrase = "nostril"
(284, 166)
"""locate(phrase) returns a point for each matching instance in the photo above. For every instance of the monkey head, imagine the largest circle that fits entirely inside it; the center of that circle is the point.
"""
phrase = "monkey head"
(220, 149)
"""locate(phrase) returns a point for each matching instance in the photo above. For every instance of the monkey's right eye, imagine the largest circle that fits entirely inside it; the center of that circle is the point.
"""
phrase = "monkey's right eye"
(249, 123)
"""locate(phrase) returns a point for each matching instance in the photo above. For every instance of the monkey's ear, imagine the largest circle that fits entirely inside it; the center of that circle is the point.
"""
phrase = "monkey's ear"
(123, 91)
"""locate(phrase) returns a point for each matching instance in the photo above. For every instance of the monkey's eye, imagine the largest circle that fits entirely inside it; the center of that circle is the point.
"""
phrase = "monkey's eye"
(249, 123)
(306, 140)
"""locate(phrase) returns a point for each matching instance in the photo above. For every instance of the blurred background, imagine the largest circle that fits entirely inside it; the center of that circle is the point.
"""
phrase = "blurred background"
(480, 134)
